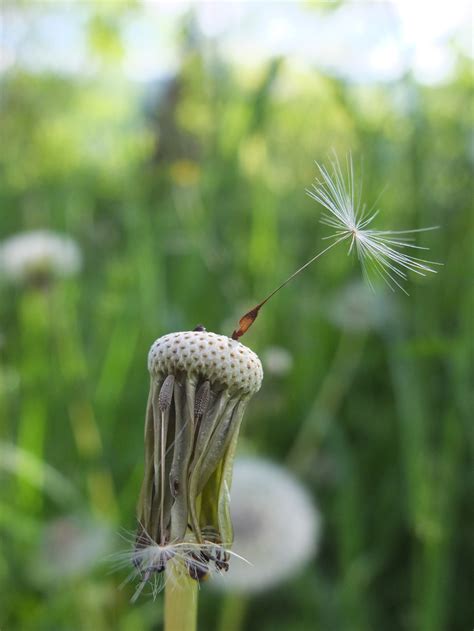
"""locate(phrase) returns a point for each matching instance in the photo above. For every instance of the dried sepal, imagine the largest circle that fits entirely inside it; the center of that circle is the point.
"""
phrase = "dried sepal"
(166, 393)
(202, 399)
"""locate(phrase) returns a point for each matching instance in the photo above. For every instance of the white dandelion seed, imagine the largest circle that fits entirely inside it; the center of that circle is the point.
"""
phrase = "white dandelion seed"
(276, 526)
(380, 251)
(39, 254)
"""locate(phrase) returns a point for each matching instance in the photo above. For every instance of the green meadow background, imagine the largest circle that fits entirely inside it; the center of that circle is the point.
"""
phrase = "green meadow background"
(187, 199)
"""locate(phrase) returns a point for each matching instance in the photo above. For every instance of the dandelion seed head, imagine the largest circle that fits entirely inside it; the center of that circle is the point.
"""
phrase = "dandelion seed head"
(276, 526)
(217, 357)
(39, 254)
(383, 253)
(200, 386)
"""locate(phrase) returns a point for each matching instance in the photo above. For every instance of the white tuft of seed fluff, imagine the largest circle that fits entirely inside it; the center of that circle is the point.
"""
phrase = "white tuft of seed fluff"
(384, 253)
(276, 526)
(25, 254)
(217, 358)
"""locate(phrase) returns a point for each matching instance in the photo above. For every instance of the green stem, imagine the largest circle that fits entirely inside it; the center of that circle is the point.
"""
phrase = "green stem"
(233, 611)
(35, 322)
(331, 394)
(181, 600)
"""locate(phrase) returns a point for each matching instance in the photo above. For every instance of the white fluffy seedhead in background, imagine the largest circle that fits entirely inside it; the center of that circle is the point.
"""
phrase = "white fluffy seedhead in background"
(354, 307)
(277, 361)
(70, 547)
(27, 255)
(276, 526)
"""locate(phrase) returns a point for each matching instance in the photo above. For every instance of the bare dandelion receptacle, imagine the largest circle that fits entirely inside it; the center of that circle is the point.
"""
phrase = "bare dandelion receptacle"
(200, 385)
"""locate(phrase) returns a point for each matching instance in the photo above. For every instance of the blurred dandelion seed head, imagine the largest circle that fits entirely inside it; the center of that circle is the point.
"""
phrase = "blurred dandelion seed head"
(381, 253)
(276, 526)
(277, 360)
(39, 255)
(355, 308)
(71, 546)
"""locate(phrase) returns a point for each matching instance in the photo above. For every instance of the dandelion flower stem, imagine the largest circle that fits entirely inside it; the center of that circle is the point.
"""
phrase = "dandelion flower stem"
(233, 612)
(181, 600)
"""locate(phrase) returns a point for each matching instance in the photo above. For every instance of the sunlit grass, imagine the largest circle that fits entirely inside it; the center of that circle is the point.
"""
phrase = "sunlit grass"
(182, 224)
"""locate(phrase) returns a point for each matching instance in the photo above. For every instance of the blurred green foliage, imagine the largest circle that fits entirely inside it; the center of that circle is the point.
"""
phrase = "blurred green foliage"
(187, 200)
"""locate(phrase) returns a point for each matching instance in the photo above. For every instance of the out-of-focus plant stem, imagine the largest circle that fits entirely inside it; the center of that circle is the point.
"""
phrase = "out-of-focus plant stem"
(335, 385)
(84, 424)
(36, 330)
(233, 612)
(181, 601)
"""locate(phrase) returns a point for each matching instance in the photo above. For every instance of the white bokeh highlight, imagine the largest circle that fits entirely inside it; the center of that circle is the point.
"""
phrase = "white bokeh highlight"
(25, 254)
(276, 527)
